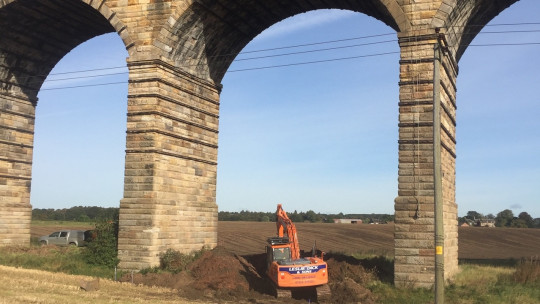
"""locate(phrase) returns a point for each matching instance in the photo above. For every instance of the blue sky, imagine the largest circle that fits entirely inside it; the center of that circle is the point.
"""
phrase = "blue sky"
(316, 136)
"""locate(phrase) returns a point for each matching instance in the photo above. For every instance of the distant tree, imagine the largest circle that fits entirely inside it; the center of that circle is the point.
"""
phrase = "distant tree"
(504, 218)
(474, 215)
(518, 223)
(83, 218)
(490, 216)
(312, 217)
(527, 219)
(536, 222)
(385, 218)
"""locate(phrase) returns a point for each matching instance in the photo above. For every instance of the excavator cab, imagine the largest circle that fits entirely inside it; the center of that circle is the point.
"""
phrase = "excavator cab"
(281, 254)
(278, 250)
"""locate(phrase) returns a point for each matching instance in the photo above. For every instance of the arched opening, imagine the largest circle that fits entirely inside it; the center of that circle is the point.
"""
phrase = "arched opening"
(498, 167)
(312, 127)
(34, 37)
(80, 136)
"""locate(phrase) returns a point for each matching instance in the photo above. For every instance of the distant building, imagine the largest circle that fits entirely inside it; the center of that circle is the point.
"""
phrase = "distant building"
(465, 224)
(485, 223)
(347, 221)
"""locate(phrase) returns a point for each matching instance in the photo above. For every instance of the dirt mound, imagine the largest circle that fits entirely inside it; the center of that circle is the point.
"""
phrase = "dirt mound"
(216, 274)
(221, 274)
(220, 271)
(347, 278)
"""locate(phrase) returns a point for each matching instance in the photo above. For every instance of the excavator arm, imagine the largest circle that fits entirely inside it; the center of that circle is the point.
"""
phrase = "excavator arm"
(286, 227)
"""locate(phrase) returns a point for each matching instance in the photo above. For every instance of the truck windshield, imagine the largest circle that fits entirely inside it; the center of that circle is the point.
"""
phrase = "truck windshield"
(281, 254)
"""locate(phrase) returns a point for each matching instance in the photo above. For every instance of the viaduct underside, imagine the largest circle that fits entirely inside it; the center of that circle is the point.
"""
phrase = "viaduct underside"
(179, 50)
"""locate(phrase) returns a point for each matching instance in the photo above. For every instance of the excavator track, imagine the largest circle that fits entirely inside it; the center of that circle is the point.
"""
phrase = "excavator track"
(323, 293)
(282, 293)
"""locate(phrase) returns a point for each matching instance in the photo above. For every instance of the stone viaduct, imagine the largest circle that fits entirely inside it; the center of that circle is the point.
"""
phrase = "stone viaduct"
(179, 50)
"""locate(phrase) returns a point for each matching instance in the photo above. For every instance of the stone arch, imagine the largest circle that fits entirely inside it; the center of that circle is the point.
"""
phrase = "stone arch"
(35, 36)
(463, 20)
(205, 36)
(48, 34)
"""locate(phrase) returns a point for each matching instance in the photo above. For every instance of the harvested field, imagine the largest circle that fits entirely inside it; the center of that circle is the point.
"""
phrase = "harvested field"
(36, 286)
(474, 242)
(234, 272)
(498, 243)
(245, 238)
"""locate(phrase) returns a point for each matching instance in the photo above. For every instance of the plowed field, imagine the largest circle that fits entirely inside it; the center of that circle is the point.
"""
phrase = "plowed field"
(244, 238)
(474, 242)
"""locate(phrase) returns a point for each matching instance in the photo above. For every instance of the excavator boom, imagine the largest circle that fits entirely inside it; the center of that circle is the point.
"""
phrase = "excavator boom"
(286, 226)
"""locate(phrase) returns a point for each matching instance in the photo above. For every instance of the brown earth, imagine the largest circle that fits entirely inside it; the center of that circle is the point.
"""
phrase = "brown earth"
(234, 271)
(474, 242)
(222, 276)
(245, 238)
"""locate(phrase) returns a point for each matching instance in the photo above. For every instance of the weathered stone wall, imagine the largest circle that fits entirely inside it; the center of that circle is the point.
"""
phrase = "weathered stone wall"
(179, 50)
(171, 161)
(415, 210)
(16, 146)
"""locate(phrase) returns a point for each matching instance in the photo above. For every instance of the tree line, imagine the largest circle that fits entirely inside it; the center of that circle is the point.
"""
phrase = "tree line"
(78, 214)
(308, 216)
(92, 214)
(504, 218)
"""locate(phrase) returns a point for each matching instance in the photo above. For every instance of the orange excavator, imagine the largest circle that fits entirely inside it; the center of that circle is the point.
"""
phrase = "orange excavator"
(287, 269)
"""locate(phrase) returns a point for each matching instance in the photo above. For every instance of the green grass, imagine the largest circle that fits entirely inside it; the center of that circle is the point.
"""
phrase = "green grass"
(51, 258)
(478, 282)
(475, 284)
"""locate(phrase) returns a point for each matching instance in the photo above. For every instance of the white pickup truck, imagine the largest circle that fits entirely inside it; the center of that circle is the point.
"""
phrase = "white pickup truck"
(64, 238)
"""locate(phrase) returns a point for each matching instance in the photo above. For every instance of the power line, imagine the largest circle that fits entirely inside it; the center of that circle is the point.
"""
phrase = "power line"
(303, 52)
(83, 86)
(316, 43)
(87, 76)
(317, 50)
(312, 62)
(244, 52)
(90, 70)
(241, 59)
(498, 24)
(248, 69)
(299, 63)
(507, 44)
(502, 32)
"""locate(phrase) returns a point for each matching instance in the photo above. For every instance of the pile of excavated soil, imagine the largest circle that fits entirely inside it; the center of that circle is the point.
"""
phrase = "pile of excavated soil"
(222, 275)
(348, 278)
(217, 274)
